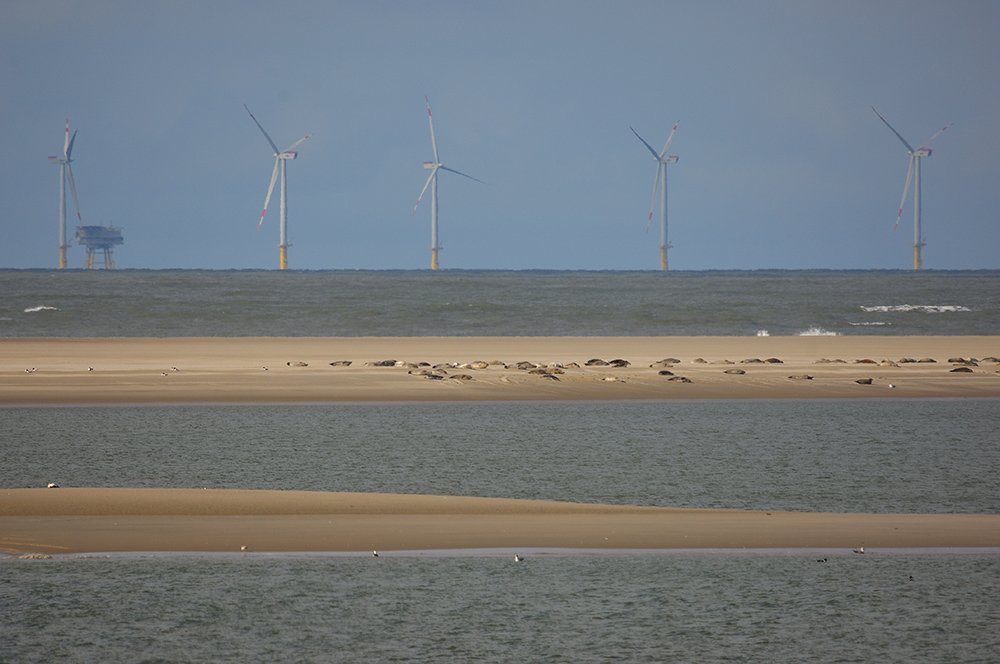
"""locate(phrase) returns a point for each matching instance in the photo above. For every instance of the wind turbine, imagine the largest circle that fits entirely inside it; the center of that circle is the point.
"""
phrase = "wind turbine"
(661, 175)
(914, 174)
(280, 157)
(434, 167)
(65, 171)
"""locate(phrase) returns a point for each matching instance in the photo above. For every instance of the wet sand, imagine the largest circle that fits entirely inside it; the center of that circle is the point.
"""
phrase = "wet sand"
(233, 370)
(82, 520)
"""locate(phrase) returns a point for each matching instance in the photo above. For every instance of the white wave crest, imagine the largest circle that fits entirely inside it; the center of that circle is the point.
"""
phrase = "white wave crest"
(763, 333)
(869, 323)
(817, 332)
(41, 307)
(923, 308)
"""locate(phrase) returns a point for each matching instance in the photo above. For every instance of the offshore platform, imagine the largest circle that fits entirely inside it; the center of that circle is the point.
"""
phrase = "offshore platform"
(99, 238)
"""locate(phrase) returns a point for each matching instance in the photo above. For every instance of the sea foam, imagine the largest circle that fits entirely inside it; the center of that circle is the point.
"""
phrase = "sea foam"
(924, 308)
(41, 307)
(815, 331)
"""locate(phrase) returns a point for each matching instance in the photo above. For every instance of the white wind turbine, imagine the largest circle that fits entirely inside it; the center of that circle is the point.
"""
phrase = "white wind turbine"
(914, 174)
(661, 177)
(434, 167)
(280, 157)
(65, 172)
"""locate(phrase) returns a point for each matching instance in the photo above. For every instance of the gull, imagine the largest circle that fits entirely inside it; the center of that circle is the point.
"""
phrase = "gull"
(243, 548)
(859, 550)
(163, 373)
(891, 385)
(90, 368)
(174, 369)
(374, 554)
(821, 560)
(264, 368)
(53, 485)
(517, 558)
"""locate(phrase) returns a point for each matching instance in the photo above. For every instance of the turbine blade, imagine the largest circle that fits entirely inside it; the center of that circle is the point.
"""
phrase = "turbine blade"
(69, 147)
(909, 176)
(928, 141)
(656, 189)
(430, 119)
(670, 138)
(274, 176)
(426, 184)
(297, 143)
(262, 130)
(72, 188)
(452, 170)
(66, 141)
(896, 132)
(648, 146)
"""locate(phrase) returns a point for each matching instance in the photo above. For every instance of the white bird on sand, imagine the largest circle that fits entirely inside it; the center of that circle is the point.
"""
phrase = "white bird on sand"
(859, 550)
(53, 485)
(374, 554)
(90, 368)
(891, 385)
(174, 369)
(163, 373)
(243, 548)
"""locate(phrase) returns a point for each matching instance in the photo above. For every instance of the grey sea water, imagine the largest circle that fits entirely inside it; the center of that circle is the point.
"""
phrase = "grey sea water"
(469, 303)
(706, 606)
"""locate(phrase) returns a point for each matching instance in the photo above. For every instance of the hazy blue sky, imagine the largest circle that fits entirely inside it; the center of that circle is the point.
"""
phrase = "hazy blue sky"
(782, 162)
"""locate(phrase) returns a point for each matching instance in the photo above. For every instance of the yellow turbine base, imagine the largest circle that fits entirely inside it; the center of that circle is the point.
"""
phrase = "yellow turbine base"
(434, 259)
(663, 259)
(62, 258)
(284, 258)
(917, 263)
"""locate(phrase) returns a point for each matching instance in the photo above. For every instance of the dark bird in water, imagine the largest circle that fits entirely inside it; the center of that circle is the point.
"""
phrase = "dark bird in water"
(821, 560)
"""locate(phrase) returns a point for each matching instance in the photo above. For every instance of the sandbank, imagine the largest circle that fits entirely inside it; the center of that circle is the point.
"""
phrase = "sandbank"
(88, 520)
(310, 369)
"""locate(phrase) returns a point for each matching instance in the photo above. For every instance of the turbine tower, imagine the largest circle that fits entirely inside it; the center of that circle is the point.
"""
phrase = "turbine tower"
(65, 171)
(280, 157)
(661, 176)
(434, 167)
(914, 174)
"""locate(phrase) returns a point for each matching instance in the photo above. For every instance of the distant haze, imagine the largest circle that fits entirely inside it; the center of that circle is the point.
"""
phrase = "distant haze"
(782, 163)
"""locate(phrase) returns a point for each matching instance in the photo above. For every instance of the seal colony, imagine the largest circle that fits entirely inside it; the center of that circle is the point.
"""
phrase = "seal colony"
(229, 370)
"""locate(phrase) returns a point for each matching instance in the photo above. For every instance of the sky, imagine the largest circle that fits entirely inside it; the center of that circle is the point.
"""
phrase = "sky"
(782, 163)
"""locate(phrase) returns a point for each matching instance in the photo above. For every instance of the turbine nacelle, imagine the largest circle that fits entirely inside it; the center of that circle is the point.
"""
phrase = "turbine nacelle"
(670, 160)
(429, 164)
(287, 155)
(921, 153)
(58, 160)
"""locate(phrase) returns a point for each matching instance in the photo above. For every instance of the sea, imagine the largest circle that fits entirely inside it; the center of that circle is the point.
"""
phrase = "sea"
(877, 456)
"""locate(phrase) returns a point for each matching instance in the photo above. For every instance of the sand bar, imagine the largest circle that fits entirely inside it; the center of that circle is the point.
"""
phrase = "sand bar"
(300, 369)
(81, 520)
